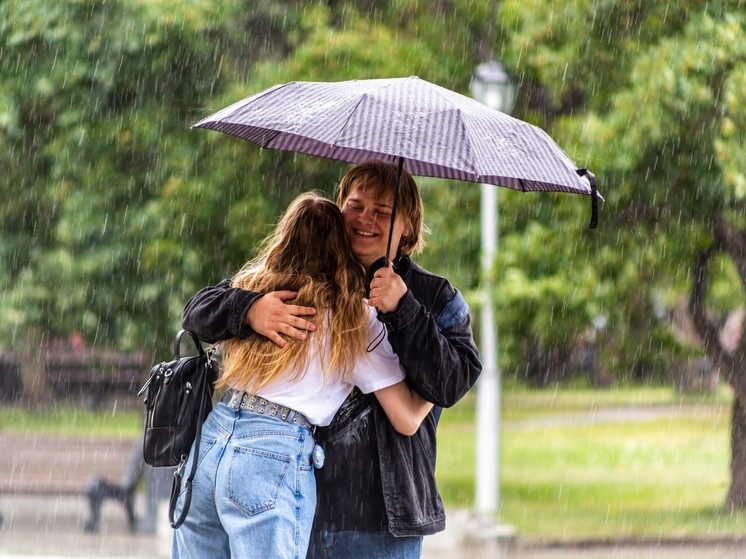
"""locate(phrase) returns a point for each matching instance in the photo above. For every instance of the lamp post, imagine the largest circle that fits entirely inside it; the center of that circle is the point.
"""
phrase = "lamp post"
(492, 86)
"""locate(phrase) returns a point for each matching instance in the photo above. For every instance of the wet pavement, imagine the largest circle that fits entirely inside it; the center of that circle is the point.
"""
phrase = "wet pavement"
(51, 527)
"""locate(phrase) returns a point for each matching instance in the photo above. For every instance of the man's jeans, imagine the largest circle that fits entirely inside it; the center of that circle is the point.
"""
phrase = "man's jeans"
(362, 545)
(254, 492)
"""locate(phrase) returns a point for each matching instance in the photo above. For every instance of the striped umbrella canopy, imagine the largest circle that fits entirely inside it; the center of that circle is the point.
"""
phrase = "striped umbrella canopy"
(429, 130)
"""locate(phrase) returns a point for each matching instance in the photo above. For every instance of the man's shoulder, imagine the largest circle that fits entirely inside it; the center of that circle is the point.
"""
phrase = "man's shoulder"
(419, 273)
(430, 289)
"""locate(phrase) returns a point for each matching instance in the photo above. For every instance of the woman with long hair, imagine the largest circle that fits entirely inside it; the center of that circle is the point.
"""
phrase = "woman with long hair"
(254, 494)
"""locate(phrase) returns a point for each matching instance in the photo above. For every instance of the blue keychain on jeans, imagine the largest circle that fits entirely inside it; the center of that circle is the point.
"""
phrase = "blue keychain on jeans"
(318, 456)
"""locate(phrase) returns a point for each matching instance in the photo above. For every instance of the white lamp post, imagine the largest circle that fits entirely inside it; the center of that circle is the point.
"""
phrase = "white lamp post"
(492, 86)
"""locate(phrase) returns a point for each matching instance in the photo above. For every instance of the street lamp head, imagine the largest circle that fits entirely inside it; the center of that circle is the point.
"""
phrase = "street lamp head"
(492, 86)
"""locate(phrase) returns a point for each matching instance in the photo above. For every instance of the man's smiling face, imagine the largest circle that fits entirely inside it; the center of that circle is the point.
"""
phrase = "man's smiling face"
(367, 221)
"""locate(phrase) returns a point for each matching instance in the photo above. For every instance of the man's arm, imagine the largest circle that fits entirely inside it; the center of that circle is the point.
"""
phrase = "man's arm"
(221, 312)
(216, 313)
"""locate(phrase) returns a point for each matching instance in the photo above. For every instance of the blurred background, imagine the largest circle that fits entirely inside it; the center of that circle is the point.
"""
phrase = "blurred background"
(620, 362)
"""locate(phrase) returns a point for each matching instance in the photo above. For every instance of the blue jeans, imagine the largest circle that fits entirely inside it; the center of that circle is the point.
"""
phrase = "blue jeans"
(348, 544)
(254, 493)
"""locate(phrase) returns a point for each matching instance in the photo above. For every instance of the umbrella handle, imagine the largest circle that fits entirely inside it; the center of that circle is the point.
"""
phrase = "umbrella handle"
(594, 196)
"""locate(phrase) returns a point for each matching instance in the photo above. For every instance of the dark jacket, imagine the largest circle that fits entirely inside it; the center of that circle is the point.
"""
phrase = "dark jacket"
(375, 479)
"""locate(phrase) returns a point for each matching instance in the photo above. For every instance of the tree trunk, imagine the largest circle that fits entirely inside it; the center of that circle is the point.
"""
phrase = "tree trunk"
(730, 363)
(736, 498)
(32, 368)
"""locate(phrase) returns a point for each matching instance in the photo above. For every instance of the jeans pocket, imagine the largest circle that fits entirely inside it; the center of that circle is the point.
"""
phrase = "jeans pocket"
(256, 478)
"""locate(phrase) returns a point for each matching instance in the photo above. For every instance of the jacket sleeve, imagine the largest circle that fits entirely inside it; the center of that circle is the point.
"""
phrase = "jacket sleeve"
(217, 313)
(439, 355)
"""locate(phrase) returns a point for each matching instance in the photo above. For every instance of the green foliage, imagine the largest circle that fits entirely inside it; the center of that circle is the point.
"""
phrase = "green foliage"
(116, 212)
(643, 95)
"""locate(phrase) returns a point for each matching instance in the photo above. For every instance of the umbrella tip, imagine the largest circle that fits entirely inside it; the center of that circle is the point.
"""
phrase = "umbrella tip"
(594, 196)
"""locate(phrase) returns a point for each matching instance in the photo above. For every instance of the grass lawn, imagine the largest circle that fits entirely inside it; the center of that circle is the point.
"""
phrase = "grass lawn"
(657, 467)
(66, 420)
(575, 463)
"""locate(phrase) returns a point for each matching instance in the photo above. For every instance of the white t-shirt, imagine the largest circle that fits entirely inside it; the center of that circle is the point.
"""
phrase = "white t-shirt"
(319, 401)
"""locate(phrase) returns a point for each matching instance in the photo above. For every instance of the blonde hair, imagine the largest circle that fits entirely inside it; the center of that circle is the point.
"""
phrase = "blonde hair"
(307, 253)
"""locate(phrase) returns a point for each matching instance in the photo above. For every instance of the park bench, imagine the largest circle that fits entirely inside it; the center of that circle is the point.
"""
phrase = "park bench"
(51, 465)
(92, 376)
(38, 464)
(95, 468)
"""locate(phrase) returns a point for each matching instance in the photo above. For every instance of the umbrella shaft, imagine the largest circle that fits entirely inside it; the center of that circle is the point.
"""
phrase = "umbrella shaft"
(394, 204)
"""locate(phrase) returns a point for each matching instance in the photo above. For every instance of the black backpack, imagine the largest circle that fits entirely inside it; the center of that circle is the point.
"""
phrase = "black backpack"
(177, 402)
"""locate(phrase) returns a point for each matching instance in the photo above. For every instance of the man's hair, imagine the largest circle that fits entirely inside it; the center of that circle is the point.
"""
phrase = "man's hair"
(308, 252)
(380, 177)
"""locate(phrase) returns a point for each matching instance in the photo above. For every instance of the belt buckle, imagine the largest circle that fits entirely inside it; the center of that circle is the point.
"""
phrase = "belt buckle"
(235, 401)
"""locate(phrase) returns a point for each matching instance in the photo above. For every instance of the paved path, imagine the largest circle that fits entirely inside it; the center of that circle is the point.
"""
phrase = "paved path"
(47, 527)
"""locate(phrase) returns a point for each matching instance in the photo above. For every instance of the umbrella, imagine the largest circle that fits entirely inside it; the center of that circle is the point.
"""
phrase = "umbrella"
(429, 130)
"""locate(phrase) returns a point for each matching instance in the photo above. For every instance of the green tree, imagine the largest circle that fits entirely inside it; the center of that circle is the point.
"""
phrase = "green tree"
(646, 96)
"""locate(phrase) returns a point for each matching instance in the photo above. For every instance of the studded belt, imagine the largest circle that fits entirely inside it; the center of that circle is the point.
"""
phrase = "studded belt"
(257, 404)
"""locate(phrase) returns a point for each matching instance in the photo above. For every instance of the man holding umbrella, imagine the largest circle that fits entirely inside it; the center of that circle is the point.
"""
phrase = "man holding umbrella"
(377, 495)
